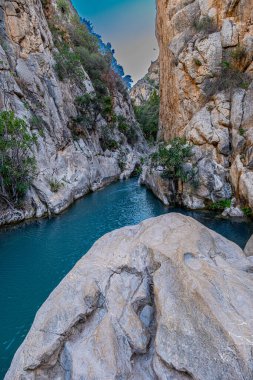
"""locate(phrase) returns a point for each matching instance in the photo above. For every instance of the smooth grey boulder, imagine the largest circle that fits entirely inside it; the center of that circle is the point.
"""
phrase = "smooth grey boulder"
(167, 299)
(248, 250)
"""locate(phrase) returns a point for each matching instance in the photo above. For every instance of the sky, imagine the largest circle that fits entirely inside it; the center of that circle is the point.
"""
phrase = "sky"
(130, 27)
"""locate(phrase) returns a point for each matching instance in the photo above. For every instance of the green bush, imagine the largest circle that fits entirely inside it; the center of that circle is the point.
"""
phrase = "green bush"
(106, 107)
(247, 211)
(68, 65)
(63, 6)
(55, 185)
(242, 131)
(173, 158)
(229, 78)
(109, 144)
(220, 205)
(17, 164)
(127, 129)
(81, 37)
(147, 116)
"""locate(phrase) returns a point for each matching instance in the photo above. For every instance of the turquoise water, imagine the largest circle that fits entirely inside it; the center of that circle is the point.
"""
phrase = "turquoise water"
(34, 257)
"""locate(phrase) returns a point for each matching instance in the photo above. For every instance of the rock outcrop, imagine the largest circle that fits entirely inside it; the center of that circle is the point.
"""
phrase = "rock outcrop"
(167, 299)
(206, 91)
(146, 86)
(78, 161)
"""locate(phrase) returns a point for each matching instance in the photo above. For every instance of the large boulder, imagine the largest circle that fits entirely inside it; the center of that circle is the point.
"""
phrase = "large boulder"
(167, 299)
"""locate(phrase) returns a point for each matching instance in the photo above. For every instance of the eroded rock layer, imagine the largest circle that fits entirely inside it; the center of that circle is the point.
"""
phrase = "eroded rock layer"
(167, 299)
(206, 49)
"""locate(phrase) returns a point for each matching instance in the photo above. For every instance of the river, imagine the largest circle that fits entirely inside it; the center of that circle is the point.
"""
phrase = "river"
(35, 256)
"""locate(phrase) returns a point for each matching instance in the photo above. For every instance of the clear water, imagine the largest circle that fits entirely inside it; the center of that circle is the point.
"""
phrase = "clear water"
(34, 257)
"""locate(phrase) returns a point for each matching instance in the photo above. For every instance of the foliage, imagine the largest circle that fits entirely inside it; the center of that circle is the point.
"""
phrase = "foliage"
(106, 107)
(220, 205)
(173, 158)
(127, 129)
(79, 48)
(230, 77)
(55, 185)
(147, 116)
(63, 6)
(238, 53)
(17, 164)
(197, 62)
(81, 37)
(242, 131)
(109, 144)
(68, 65)
(247, 211)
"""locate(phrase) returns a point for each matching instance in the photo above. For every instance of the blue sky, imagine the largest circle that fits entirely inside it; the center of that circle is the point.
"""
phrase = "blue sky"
(130, 27)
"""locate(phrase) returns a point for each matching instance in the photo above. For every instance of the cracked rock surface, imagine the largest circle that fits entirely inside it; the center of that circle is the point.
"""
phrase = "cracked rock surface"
(167, 299)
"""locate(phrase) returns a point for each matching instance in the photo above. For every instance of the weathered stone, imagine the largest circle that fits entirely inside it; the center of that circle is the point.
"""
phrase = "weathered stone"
(146, 86)
(229, 34)
(167, 299)
(248, 250)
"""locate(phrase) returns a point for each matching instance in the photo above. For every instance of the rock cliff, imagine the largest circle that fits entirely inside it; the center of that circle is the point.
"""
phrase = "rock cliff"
(206, 91)
(167, 299)
(145, 87)
(73, 156)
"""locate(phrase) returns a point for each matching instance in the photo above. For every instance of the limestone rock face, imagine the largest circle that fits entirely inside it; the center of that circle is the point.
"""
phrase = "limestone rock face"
(167, 299)
(145, 87)
(78, 163)
(206, 90)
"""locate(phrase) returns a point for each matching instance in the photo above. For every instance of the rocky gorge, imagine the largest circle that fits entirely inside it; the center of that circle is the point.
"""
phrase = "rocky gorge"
(78, 148)
(166, 299)
(206, 94)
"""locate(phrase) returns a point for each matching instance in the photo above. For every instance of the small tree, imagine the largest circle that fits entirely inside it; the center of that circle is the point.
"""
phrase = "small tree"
(17, 165)
(173, 158)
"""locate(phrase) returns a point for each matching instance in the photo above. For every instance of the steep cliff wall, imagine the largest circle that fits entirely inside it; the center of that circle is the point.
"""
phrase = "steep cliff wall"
(74, 154)
(206, 90)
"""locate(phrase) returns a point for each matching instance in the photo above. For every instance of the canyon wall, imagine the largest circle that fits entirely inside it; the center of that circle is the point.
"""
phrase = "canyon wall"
(206, 90)
(71, 159)
(146, 86)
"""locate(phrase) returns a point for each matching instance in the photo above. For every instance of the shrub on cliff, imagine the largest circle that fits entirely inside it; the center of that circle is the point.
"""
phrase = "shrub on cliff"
(173, 158)
(17, 164)
(127, 129)
(67, 64)
(147, 116)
